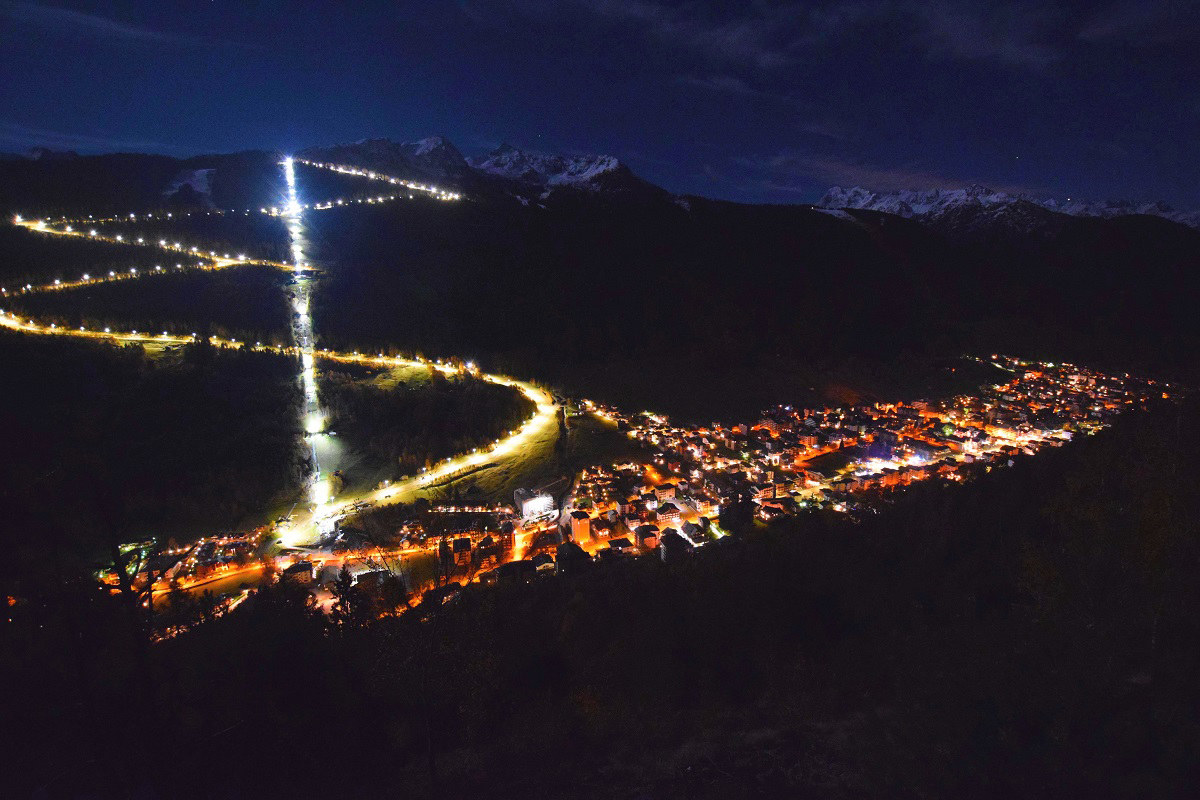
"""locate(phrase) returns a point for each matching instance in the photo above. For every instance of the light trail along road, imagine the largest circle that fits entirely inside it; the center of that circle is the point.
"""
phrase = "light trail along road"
(322, 511)
(305, 528)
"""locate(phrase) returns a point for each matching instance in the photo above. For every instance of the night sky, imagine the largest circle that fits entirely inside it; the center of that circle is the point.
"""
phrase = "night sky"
(765, 102)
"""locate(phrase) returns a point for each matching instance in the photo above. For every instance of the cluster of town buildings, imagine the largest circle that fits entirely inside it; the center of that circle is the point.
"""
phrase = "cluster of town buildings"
(839, 458)
(211, 557)
(789, 459)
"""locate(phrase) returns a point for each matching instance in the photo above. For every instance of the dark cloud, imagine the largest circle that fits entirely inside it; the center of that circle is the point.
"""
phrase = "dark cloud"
(801, 173)
(824, 126)
(776, 36)
(66, 21)
(810, 119)
(21, 136)
(761, 37)
(1020, 34)
(1144, 23)
(728, 84)
(738, 87)
(1106, 148)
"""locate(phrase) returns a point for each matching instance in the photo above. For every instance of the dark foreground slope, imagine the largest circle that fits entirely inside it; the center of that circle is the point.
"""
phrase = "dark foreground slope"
(1031, 633)
(616, 298)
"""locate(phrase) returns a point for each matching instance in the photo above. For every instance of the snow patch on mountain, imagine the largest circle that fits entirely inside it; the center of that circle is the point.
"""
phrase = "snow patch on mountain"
(431, 144)
(433, 158)
(935, 203)
(836, 212)
(436, 159)
(1122, 208)
(914, 203)
(508, 162)
(436, 153)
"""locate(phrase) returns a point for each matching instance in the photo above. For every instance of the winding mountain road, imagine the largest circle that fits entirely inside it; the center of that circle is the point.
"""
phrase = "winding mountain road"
(323, 511)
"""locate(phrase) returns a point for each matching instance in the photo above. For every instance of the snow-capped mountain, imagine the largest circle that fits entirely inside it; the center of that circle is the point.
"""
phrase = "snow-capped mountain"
(506, 170)
(937, 203)
(433, 158)
(435, 153)
(508, 162)
(1122, 208)
(914, 203)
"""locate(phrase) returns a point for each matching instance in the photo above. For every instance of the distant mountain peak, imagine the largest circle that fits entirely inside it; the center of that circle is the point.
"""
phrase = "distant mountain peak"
(507, 161)
(434, 144)
(507, 169)
(430, 142)
(937, 203)
(979, 190)
(433, 158)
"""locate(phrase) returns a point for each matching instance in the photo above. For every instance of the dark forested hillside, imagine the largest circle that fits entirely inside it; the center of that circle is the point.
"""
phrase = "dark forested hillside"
(618, 296)
(38, 258)
(107, 443)
(244, 302)
(411, 427)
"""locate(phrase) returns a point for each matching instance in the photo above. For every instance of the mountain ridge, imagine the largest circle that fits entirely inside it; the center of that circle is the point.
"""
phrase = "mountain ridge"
(511, 174)
(937, 203)
(523, 174)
